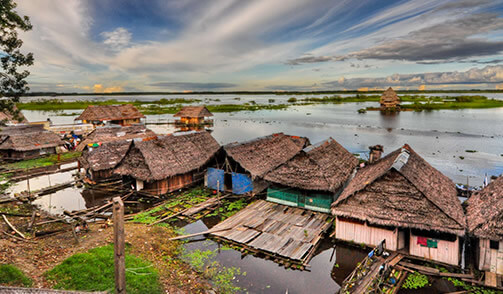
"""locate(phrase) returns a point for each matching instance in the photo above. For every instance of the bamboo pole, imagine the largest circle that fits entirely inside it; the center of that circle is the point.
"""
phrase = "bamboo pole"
(119, 246)
(12, 227)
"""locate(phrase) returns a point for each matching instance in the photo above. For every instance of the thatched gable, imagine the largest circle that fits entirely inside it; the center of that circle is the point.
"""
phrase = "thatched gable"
(322, 167)
(263, 154)
(484, 211)
(110, 112)
(116, 133)
(389, 98)
(29, 141)
(403, 190)
(193, 111)
(106, 156)
(168, 156)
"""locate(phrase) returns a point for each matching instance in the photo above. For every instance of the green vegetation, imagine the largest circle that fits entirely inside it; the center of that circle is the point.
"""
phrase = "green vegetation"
(471, 151)
(229, 208)
(415, 281)
(40, 162)
(94, 271)
(292, 100)
(459, 102)
(4, 183)
(469, 288)
(12, 276)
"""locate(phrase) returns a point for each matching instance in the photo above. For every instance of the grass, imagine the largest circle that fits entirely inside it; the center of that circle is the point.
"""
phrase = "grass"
(40, 162)
(94, 271)
(12, 276)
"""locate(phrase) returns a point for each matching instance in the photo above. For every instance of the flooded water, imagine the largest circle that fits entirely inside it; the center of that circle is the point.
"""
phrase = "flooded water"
(42, 182)
(329, 266)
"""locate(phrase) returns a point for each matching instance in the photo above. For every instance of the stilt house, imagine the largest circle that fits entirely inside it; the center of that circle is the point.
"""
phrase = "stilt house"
(313, 178)
(240, 167)
(112, 133)
(407, 202)
(193, 115)
(389, 99)
(27, 142)
(168, 163)
(123, 115)
(484, 214)
(100, 162)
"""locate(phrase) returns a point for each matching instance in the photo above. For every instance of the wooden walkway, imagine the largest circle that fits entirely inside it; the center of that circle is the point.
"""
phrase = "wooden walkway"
(276, 230)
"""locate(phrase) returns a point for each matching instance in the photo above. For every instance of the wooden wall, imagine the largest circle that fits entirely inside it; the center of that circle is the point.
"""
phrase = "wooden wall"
(102, 174)
(363, 233)
(446, 251)
(170, 184)
(490, 259)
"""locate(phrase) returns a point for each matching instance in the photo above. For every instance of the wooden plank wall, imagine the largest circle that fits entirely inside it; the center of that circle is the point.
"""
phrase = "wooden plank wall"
(363, 233)
(446, 251)
(490, 259)
(170, 184)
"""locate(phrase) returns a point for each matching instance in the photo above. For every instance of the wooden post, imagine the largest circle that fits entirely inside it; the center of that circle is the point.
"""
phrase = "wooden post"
(218, 192)
(119, 248)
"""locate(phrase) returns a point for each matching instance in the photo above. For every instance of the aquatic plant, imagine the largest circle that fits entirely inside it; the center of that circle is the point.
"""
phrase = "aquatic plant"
(415, 280)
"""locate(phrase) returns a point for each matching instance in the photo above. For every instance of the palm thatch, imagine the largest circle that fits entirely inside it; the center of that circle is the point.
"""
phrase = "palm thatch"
(322, 167)
(484, 211)
(403, 190)
(193, 111)
(116, 133)
(106, 156)
(263, 154)
(168, 156)
(389, 98)
(30, 140)
(110, 112)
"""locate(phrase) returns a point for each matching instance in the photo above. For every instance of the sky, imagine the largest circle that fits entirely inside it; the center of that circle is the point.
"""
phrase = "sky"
(105, 46)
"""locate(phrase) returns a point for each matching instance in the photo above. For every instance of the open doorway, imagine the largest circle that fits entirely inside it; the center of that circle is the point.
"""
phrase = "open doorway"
(403, 240)
(228, 181)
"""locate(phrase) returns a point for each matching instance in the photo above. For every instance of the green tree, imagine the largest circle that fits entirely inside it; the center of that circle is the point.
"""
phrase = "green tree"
(12, 78)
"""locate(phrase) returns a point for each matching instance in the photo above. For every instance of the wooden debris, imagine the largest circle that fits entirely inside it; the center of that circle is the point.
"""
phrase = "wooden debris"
(198, 234)
(12, 227)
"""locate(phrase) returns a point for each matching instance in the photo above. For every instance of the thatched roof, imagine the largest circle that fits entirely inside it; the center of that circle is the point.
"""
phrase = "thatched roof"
(323, 167)
(110, 112)
(403, 190)
(263, 154)
(484, 211)
(116, 133)
(168, 156)
(106, 156)
(8, 117)
(26, 141)
(193, 111)
(21, 129)
(389, 96)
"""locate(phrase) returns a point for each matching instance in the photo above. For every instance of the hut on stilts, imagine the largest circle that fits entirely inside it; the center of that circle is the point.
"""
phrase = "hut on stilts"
(390, 100)
(484, 214)
(124, 115)
(241, 166)
(27, 142)
(313, 178)
(169, 163)
(404, 200)
(193, 116)
(99, 163)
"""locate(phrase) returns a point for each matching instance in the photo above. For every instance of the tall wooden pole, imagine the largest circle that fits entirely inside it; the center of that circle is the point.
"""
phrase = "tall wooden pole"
(119, 247)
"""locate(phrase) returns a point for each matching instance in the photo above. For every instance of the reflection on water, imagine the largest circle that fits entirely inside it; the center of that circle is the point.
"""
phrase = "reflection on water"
(67, 199)
(41, 182)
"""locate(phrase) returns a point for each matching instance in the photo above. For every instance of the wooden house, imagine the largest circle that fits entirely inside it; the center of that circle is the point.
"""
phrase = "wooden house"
(484, 215)
(313, 178)
(168, 163)
(407, 202)
(193, 116)
(112, 133)
(99, 162)
(123, 115)
(389, 100)
(27, 142)
(241, 166)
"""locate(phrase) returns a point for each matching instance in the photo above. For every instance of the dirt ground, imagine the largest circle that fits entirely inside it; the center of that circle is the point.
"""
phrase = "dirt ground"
(35, 257)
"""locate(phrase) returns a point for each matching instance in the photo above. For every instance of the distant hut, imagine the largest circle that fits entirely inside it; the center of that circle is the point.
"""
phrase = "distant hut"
(389, 100)
(193, 115)
(407, 202)
(484, 215)
(123, 115)
(27, 142)
(313, 178)
(99, 163)
(241, 166)
(168, 163)
(111, 133)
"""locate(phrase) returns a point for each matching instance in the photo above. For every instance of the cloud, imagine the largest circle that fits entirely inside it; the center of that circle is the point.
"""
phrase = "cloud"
(117, 39)
(309, 59)
(184, 86)
(99, 88)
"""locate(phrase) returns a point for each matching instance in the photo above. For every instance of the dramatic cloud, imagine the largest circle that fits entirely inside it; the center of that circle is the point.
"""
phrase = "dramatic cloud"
(187, 86)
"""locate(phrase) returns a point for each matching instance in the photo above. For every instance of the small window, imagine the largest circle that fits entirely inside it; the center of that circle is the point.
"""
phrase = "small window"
(494, 244)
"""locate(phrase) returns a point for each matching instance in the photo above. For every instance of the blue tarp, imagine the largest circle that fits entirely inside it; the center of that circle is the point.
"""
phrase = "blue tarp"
(215, 178)
(241, 183)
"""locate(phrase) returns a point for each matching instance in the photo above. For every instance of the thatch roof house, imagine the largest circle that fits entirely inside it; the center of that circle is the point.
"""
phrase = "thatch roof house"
(404, 200)
(389, 99)
(124, 115)
(100, 162)
(484, 215)
(115, 133)
(242, 165)
(27, 141)
(313, 178)
(193, 115)
(168, 163)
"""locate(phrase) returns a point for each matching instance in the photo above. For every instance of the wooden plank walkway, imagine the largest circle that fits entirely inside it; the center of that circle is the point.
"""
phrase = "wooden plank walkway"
(276, 230)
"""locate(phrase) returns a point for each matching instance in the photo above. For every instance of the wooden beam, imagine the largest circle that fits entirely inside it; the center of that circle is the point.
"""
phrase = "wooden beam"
(12, 227)
(119, 246)
(198, 234)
